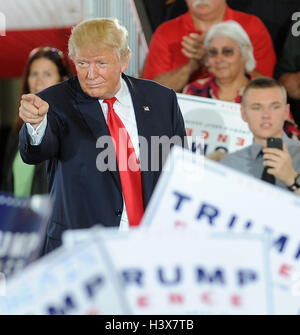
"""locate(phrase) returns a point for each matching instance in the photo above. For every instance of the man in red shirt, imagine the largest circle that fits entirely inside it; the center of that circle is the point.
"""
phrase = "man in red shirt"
(176, 53)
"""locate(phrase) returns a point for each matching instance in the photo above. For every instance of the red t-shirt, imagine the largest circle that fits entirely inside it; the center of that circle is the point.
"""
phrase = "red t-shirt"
(165, 48)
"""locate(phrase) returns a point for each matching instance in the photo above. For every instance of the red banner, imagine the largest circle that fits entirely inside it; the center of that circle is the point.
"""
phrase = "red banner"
(16, 46)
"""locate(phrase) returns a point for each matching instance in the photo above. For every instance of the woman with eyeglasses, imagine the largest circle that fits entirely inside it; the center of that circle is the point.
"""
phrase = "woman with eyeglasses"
(46, 66)
(229, 57)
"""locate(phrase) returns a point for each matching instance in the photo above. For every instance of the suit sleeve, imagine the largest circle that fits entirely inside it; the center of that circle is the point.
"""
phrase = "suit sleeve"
(47, 149)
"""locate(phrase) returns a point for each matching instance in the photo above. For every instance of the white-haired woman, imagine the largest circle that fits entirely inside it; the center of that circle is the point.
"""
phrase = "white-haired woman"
(230, 61)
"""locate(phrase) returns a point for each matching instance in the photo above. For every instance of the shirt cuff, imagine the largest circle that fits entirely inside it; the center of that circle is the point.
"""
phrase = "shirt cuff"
(36, 135)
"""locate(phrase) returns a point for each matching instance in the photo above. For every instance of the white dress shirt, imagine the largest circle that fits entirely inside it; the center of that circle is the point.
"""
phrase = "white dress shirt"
(123, 106)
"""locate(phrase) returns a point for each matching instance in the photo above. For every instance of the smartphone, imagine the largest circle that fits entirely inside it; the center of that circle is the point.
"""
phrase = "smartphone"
(273, 142)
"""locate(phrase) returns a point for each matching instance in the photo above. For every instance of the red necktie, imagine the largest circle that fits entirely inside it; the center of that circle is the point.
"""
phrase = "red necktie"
(129, 168)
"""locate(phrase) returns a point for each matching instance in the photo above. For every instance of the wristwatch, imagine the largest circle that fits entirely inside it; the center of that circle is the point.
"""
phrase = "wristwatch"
(296, 184)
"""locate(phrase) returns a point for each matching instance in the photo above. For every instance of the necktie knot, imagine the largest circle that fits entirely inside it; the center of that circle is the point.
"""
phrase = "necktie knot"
(110, 102)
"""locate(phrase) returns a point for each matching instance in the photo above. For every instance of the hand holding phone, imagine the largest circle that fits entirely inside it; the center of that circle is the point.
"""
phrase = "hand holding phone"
(272, 142)
(278, 161)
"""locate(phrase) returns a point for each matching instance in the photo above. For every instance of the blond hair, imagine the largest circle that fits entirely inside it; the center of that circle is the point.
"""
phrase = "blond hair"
(99, 32)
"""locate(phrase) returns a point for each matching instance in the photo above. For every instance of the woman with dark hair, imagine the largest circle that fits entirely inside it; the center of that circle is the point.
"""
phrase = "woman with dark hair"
(46, 66)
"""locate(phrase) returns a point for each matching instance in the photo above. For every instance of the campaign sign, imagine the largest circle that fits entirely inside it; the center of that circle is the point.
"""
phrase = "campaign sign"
(72, 281)
(22, 227)
(188, 272)
(218, 122)
(198, 192)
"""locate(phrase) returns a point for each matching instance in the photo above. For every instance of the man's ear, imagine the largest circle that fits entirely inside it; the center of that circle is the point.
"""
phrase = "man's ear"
(287, 112)
(125, 63)
(243, 113)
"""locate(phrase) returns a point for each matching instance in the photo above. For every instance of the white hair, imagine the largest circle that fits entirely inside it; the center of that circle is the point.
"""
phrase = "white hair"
(234, 31)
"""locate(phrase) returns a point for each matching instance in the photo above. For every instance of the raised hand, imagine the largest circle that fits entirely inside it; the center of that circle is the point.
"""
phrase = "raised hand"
(193, 46)
(280, 164)
(33, 109)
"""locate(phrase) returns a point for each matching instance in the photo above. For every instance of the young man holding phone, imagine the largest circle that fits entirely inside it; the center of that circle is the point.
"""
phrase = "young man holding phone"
(264, 107)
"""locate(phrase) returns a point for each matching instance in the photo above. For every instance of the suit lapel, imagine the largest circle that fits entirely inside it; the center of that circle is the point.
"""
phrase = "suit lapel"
(92, 114)
(94, 118)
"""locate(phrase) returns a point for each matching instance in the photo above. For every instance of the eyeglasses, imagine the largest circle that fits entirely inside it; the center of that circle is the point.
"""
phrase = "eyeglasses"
(226, 52)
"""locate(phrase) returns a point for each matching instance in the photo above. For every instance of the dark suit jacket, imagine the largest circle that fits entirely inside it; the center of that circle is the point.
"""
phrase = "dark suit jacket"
(82, 195)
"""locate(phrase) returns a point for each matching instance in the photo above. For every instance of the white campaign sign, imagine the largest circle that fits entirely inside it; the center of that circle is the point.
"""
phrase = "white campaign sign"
(75, 280)
(187, 272)
(219, 122)
(193, 193)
